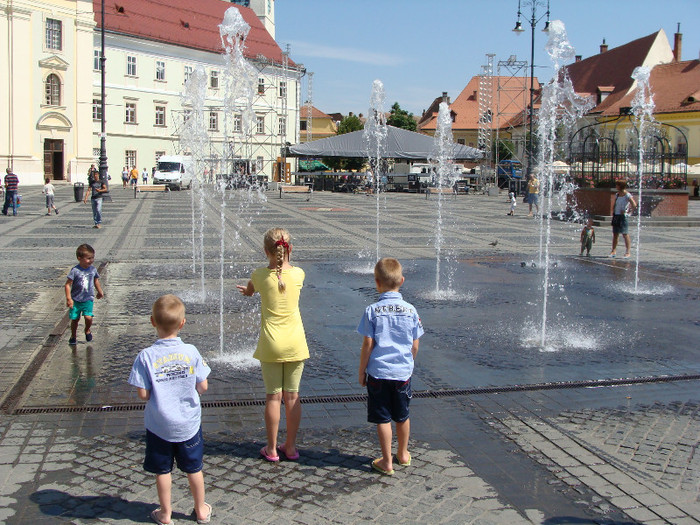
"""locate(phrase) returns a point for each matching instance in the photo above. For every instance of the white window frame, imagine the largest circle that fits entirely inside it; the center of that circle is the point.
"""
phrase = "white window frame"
(53, 34)
(160, 70)
(52, 90)
(96, 109)
(260, 124)
(261, 85)
(214, 79)
(130, 113)
(238, 123)
(159, 116)
(96, 62)
(282, 126)
(213, 121)
(131, 69)
(283, 89)
(130, 158)
(188, 72)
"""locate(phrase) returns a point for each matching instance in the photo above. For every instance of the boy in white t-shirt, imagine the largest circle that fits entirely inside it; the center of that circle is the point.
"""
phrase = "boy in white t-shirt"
(170, 376)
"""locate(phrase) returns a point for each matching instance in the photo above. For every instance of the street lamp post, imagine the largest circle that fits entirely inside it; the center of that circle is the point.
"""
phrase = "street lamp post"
(103, 135)
(534, 4)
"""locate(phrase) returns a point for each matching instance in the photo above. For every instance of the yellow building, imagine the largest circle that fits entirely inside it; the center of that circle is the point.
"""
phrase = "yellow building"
(322, 125)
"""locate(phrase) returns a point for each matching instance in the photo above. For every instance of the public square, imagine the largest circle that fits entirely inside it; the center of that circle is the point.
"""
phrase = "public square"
(600, 428)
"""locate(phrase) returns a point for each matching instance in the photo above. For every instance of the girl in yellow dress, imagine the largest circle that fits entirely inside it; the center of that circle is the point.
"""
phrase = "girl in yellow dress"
(282, 347)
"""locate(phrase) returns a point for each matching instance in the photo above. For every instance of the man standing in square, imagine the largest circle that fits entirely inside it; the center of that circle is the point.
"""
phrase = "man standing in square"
(11, 185)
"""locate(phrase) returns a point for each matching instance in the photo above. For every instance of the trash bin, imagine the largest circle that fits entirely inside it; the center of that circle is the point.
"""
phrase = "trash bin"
(78, 191)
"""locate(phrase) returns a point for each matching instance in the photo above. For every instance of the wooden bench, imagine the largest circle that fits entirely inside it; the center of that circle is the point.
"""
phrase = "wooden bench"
(439, 191)
(151, 187)
(296, 189)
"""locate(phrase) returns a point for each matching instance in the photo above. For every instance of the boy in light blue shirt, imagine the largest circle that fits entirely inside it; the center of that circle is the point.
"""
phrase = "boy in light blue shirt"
(391, 329)
(170, 376)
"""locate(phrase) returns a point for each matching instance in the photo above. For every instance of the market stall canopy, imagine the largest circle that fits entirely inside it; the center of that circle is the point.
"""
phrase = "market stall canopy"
(400, 144)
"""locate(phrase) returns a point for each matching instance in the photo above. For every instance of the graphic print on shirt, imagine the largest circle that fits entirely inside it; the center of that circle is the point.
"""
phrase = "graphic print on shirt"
(173, 366)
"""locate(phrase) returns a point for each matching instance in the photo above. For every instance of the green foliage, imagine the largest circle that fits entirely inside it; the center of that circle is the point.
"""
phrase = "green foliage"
(505, 150)
(349, 124)
(400, 118)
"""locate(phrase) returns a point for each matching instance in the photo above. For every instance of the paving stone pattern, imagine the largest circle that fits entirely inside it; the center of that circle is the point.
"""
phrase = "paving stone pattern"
(606, 455)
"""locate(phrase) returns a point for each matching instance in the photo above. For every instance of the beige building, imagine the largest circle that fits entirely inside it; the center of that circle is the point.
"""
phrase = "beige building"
(151, 49)
(46, 88)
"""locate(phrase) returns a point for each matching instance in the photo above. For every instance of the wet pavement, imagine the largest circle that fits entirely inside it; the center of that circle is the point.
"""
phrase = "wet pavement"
(503, 431)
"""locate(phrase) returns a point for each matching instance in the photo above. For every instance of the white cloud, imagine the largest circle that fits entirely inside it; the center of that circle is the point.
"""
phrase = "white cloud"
(348, 54)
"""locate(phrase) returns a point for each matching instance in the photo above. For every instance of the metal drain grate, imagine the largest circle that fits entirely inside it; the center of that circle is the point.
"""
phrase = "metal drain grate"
(358, 398)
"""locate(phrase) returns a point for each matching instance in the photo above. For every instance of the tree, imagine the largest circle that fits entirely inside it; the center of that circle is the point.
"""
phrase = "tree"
(400, 118)
(347, 125)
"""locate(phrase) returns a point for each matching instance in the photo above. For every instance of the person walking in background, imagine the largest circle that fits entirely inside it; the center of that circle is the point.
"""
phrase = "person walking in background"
(11, 188)
(282, 347)
(125, 177)
(170, 376)
(97, 191)
(134, 174)
(533, 194)
(144, 175)
(49, 191)
(623, 200)
(391, 330)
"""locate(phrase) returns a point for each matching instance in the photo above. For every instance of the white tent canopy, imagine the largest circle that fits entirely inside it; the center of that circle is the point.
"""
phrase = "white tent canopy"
(400, 144)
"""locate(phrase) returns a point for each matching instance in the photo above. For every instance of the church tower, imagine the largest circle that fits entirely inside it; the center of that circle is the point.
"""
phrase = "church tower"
(265, 9)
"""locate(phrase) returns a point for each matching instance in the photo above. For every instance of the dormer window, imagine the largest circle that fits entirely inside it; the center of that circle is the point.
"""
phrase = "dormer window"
(604, 92)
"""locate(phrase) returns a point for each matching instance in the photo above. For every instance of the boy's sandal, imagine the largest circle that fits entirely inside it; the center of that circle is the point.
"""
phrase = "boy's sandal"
(207, 518)
(88, 336)
(154, 517)
(268, 457)
(380, 469)
(407, 464)
(293, 457)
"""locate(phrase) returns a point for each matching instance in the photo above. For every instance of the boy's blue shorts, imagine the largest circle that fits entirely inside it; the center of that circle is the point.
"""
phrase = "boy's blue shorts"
(160, 454)
(85, 308)
(387, 400)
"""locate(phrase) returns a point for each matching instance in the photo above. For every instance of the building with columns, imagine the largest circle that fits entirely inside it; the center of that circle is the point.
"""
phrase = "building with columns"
(151, 49)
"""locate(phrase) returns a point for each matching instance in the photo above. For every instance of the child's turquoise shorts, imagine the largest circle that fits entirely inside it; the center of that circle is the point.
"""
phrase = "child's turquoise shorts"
(78, 307)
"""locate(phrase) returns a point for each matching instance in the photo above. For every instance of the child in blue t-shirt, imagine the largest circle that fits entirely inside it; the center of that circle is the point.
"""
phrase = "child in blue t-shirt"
(391, 329)
(81, 284)
(170, 376)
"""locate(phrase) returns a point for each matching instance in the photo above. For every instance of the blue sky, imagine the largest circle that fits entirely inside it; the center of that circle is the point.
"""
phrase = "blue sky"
(420, 48)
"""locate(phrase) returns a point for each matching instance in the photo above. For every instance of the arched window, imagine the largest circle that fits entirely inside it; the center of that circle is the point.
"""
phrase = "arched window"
(53, 90)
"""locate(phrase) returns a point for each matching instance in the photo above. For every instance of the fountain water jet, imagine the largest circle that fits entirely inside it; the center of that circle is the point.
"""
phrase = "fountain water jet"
(442, 156)
(560, 107)
(375, 134)
(643, 109)
(193, 138)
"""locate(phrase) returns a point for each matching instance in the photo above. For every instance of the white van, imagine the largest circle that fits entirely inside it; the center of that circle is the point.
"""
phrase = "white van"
(176, 171)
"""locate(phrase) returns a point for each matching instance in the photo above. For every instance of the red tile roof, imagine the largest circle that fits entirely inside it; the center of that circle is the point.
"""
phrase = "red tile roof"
(187, 23)
(315, 113)
(466, 106)
(675, 88)
(613, 68)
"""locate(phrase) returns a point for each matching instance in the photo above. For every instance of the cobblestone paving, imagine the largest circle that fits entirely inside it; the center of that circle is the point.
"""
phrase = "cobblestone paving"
(68, 479)
(608, 455)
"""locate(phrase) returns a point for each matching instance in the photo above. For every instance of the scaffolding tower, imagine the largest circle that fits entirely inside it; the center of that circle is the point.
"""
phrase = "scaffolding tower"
(512, 102)
(309, 106)
(485, 124)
